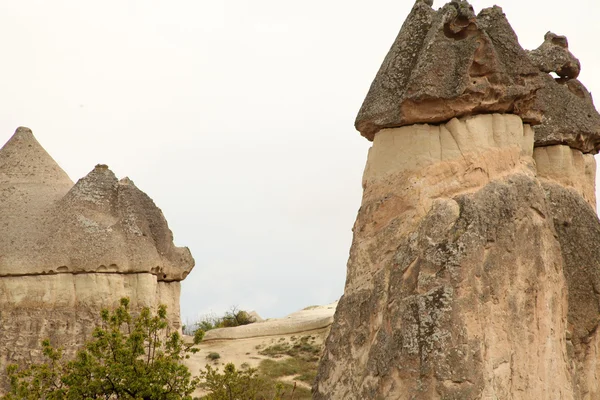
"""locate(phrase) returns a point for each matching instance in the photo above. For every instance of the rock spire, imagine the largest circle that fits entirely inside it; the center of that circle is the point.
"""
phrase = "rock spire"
(68, 250)
(475, 266)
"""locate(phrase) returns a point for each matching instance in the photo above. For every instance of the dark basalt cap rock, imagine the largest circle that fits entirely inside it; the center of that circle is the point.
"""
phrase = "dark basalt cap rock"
(570, 117)
(106, 225)
(450, 63)
(554, 56)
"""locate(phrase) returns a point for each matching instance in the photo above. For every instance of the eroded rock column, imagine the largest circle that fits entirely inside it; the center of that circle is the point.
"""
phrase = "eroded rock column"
(455, 287)
(474, 271)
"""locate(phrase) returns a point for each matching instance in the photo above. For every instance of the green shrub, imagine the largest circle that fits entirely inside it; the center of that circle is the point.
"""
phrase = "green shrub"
(235, 317)
(232, 318)
(213, 356)
(232, 384)
(127, 358)
(247, 384)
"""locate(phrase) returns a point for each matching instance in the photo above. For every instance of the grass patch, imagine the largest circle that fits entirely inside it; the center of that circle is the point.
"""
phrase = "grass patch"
(302, 370)
(283, 390)
(276, 350)
(303, 348)
(301, 360)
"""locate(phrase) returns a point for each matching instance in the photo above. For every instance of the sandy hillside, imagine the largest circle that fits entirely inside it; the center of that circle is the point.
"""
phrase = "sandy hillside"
(243, 345)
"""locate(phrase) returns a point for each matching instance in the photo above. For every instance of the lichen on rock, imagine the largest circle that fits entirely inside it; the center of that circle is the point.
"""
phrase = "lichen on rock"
(450, 63)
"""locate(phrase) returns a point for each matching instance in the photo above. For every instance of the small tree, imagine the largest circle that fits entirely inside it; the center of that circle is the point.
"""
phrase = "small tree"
(236, 317)
(232, 384)
(127, 358)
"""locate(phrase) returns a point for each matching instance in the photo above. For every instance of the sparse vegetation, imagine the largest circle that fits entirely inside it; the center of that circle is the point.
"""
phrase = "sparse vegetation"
(301, 370)
(233, 317)
(231, 384)
(246, 384)
(304, 348)
(137, 358)
(297, 359)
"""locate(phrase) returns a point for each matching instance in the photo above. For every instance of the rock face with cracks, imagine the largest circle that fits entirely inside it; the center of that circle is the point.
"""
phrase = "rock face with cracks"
(474, 271)
(450, 63)
(68, 250)
(569, 116)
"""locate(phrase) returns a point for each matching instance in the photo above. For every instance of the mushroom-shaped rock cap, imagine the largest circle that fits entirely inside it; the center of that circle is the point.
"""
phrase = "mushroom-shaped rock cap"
(570, 117)
(107, 225)
(100, 224)
(450, 63)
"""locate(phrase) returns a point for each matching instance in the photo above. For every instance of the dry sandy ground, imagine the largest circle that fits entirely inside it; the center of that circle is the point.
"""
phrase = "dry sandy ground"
(241, 345)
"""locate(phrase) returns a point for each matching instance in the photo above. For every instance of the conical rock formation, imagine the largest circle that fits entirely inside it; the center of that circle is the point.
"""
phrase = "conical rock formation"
(475, 265)
(68, 250)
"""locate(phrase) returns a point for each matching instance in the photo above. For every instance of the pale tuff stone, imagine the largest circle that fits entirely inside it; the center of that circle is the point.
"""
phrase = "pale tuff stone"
(306, 320)
(65, 308)
(69, 250)
(568, 167)
(464, 278)
(97, 225)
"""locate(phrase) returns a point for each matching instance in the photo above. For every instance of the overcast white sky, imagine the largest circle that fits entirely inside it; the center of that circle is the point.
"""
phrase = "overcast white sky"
(235, 116)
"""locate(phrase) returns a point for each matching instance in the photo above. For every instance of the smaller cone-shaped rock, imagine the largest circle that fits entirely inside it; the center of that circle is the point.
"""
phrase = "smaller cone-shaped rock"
(31, 182)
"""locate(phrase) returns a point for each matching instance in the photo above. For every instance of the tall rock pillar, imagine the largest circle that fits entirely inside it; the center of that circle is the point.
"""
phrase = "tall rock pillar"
(473, 272)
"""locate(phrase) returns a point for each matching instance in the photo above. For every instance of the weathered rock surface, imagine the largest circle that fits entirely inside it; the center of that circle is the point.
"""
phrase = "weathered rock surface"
(474, 271)
(451, 63)
(459, 284)
(112, 226)
(569, 116)
(568, 167)
(99, 224)
(68, 250)
(554, 56)
(65, 308)
(578, 232)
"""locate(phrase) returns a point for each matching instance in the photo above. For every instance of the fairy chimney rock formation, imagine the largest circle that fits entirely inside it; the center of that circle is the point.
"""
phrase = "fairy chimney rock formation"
(474, 268)
(68, 250)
